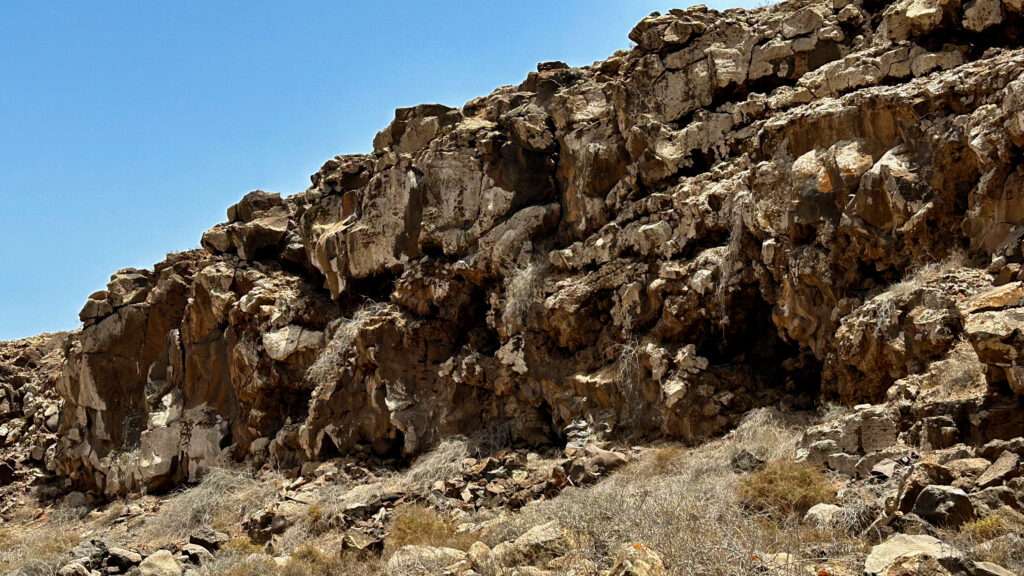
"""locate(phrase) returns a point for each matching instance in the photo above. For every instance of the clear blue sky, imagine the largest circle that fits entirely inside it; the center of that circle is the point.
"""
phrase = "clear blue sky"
(127, 127)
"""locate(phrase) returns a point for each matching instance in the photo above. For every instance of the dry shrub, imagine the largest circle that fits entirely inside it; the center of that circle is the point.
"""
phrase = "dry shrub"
(921, 275)
(415, 524)
(1001, 522)
(661, 461)
(995, 538)
(441, 463)
(525, 286)
(692, 517)
(221, 500)
(36, 550)
(312, 561)
(328, 512)
(307, 560)
(785, 488)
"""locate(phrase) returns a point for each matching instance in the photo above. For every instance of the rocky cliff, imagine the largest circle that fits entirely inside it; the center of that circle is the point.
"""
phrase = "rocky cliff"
(813, 202)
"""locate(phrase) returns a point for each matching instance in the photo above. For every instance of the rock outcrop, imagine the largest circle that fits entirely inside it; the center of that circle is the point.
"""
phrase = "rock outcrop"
(816, 201)
(29, 410)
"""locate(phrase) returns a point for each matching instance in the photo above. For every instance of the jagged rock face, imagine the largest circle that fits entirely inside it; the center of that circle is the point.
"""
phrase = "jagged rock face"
(29, 410)
(745, 209)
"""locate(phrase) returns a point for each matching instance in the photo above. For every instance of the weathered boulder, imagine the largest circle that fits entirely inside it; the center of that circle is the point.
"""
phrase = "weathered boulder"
(637, 560)
(903, 547)
(944, 506)
(423, 560)
(160, 563)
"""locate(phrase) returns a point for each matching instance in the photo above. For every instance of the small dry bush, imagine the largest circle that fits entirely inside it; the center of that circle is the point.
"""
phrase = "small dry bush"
(37, 549)
(661, 461)
(415, 524)
(525, 286)
(328, 512)
(308, 560)
(221, 500)
(441, 463)
(692, 516)
(926, 273)
(785, 488)
(1001, 522)
(995, 538)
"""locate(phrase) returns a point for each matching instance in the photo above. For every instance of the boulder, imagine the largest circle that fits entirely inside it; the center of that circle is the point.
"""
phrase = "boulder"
(536, 546)
(1004, 468)
(637, 560)
(903, 547)
(944, 506)
(423, 560)
(160, 563)
(824, 515)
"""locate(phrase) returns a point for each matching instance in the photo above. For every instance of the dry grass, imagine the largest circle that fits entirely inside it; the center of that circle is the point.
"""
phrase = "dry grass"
(441, 463)
(329, 366)
(415, 524)
(38, 549)
(922, 275)
(525, 286)
(328, 512)
(995, 538)
(689, 511)
(630, 376)
(307, 560)
(784, 488)
(222, 500)
(1001, 522)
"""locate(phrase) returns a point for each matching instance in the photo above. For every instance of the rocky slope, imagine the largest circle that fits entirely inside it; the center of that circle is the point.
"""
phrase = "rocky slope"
(729, 215)
(810, 203)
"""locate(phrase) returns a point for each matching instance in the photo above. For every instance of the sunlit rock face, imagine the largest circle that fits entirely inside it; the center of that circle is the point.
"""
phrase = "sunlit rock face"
(812, 201)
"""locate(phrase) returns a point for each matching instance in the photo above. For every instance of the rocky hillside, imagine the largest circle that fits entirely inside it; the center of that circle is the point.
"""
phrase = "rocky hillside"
(809, 204)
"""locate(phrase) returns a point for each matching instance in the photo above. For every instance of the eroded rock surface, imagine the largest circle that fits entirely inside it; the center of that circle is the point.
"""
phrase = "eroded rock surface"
(812, 201)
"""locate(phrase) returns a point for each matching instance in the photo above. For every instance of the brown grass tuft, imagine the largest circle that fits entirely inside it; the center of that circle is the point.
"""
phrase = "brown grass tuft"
(785, 488)
(415, 524)
(692, 515)
(36, 550)
(221, 500)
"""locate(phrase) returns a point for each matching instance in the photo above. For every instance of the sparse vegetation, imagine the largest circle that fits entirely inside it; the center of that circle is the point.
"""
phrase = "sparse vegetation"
(221, 500)
(995, 538)
(524, 288)
(784, 488)
(692, 516)
(921, 275)
(37, 549)
(308, 560)
(441, 463)
(415, 524)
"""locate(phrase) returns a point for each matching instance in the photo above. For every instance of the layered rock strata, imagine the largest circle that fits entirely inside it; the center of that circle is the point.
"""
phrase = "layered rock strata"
(816, 201)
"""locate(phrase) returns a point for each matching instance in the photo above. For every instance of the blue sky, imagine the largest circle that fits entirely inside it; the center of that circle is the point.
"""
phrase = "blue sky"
(128, 127)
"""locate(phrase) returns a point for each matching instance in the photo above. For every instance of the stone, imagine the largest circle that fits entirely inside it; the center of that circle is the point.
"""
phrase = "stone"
(160, 563)
(122, 557)
(1004, 468)
(988, 569)
(944, 506)
(637, 560)
(982, 14)
(208, 538)
(536, 546)
(745, 210)
(73, 569)
(197, 554)
(423, 560)
(745, 461)
(824, 515)
(902, 546)
(803, 21)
